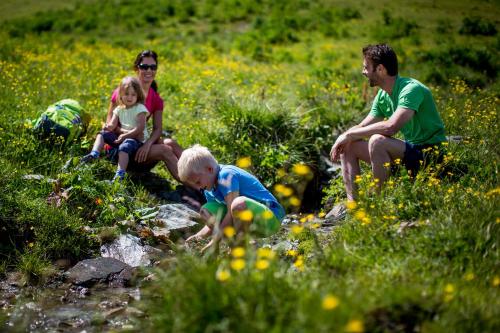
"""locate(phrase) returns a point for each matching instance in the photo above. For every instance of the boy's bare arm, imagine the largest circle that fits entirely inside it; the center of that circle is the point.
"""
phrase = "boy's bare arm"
(203, 233)
(218, 231)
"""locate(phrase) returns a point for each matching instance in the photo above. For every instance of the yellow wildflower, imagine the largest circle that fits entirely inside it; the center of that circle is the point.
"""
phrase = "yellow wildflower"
(330, 302)
(294, 201)
(238, 264)
(287, 191)
(297, 229)
(262, 264)
(355, 326)
(360, 214)
(229, 232)
(301, 169)
(366, 220)
(244, 162)
(267, 215)
(321, 214)
(299, 263)
(265, 252)
(246, 215)
(449, 288)
(291, 253)
(351, 205)
(238, 252)
(223, 275)
(469, 276)
(279, 188)
(496, 281)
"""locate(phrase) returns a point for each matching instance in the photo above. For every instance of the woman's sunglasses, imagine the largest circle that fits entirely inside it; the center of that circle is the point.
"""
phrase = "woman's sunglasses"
(145, 67)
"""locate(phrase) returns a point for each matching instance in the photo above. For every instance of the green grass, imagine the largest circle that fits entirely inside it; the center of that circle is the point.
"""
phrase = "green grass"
(288, 74)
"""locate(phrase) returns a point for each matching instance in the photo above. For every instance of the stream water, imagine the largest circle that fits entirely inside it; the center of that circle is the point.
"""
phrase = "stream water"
(66, 308)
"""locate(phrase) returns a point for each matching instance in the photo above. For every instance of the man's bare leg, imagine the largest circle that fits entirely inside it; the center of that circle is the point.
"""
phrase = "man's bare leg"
(384, 150)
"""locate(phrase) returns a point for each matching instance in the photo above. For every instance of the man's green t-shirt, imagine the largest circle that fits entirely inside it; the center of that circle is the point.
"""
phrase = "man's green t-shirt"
(426, 126)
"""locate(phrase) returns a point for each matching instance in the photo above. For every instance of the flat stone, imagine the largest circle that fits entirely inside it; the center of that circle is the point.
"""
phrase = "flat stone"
(91, 271)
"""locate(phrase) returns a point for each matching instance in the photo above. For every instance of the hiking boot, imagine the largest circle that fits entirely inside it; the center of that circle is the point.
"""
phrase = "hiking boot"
(336, 214)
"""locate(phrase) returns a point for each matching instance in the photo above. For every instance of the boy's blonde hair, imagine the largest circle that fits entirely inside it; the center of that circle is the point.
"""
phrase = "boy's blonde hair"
(195, 160)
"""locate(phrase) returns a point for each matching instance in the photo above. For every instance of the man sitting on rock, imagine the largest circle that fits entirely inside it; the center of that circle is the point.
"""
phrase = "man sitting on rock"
(402, 104)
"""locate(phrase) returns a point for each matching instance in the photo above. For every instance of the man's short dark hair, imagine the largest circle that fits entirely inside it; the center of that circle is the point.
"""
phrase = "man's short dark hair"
(382, 54)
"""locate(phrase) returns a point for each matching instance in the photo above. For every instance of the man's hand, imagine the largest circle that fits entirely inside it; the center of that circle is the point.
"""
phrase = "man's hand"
(339, 146)
(142, 153)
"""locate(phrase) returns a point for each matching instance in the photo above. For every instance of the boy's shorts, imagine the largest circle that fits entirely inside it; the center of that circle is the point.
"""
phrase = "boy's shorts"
(416, 156)
(265, 223)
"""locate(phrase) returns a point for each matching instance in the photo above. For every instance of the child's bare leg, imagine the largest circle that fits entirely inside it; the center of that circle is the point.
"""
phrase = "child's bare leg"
(98, 143)
(96, 149)
(123, 160)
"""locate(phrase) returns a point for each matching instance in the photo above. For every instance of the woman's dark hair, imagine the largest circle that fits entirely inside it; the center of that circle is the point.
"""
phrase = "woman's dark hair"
(382, 54)
(138, 60)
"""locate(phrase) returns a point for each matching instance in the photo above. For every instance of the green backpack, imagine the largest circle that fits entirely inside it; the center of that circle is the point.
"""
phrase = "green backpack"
(62, 119)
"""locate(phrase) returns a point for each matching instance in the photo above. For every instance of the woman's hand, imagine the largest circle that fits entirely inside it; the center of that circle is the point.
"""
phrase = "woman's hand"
(142, 153)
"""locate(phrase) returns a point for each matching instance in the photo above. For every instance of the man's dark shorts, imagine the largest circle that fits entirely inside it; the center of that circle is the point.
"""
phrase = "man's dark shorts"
(129, 146)
(417, 156)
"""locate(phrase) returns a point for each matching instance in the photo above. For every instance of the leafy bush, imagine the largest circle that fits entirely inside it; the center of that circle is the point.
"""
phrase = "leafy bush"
(393, 28)
(477, 26)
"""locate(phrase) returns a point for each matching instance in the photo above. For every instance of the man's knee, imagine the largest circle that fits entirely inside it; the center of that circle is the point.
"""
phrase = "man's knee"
(376, 142)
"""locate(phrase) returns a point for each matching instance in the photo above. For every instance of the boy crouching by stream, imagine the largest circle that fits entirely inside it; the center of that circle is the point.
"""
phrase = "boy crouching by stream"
(234, 197)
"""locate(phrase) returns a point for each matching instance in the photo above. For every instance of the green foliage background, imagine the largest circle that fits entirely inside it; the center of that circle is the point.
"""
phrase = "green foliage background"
(275, 81)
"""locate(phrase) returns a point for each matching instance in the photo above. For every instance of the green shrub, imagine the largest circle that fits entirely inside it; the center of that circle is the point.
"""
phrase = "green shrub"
(477, 26)
(393, 28)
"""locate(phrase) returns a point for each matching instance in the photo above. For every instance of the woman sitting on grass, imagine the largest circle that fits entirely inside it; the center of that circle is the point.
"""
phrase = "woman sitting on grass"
(153, 149)
(131, 113)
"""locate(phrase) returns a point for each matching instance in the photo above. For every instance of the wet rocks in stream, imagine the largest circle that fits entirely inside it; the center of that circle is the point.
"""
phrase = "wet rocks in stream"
(100, 270)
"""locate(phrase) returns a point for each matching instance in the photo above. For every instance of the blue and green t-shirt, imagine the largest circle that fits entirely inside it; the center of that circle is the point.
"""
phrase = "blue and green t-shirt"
(231, 179)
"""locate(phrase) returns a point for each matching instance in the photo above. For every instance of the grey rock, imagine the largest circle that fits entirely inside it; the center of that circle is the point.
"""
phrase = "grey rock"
(176, 217)
(284, 246)
(91, 271)
(127, 249)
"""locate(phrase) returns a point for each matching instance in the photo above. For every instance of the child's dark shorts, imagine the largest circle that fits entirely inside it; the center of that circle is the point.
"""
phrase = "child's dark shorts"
(127, 146)
(417, 156)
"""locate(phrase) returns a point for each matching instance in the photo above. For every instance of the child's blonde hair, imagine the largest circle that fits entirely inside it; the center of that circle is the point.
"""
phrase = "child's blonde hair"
(195, 160)
(134, 83)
